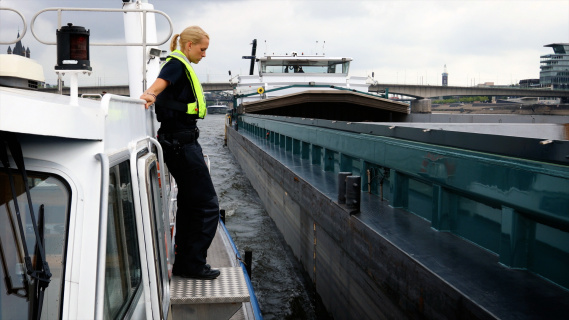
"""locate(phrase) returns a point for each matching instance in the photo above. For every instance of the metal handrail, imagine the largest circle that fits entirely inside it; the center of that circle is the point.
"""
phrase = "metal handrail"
(138, 217)
(23, 32)
(306, 86)
(143, 43)
(161, 169)
(101, 255)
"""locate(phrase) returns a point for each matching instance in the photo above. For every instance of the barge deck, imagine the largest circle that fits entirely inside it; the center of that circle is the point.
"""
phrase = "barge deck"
(443, 242)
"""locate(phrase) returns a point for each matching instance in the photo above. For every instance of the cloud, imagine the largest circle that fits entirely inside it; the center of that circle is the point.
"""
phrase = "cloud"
(410, 41)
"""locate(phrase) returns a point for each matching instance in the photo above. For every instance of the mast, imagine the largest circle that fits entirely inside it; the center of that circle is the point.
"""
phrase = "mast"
(142, 67)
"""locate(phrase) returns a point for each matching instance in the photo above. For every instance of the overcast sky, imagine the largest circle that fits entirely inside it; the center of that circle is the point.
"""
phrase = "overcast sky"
(400, 41)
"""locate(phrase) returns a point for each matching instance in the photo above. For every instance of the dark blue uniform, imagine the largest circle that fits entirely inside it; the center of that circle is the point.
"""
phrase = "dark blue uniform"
(198, 207)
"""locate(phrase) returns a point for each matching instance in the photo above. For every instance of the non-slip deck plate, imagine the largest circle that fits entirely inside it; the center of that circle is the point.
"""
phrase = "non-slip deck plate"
(229, 287)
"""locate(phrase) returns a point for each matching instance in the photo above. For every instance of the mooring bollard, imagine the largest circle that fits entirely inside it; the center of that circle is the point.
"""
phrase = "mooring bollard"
(248, 261)
(353, 193)
(222, 215)
(342, 186)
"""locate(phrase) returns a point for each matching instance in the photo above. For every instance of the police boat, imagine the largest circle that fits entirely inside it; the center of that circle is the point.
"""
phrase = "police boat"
(87, 205)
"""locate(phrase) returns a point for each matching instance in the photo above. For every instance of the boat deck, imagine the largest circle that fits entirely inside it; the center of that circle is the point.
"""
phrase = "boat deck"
(461, 267)
(226, 297)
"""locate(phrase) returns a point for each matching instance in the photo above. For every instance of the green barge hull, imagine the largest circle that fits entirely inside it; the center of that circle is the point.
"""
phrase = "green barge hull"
(451, 225)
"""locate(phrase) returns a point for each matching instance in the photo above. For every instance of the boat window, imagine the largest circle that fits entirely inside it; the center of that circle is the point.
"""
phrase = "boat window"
(158, 229)
(345, 67)
(304, 66)
(18, 292)
(123, 268)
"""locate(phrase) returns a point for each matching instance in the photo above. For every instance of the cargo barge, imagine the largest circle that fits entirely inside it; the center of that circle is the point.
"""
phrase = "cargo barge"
(454, 216)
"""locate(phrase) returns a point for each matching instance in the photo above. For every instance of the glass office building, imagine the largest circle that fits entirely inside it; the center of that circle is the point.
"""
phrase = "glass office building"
(555, 67)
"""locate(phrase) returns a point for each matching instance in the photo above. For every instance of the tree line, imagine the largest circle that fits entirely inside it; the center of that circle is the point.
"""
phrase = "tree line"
(463, 99)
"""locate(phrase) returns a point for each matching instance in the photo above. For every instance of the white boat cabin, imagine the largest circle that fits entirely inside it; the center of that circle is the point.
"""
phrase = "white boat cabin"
(280, 75)
(87, 213)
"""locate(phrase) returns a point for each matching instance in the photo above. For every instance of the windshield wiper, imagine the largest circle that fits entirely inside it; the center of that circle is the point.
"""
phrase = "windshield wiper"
(39, 287)
(42, 274)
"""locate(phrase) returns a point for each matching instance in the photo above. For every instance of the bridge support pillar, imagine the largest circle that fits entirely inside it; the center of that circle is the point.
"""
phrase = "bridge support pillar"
(421, 106)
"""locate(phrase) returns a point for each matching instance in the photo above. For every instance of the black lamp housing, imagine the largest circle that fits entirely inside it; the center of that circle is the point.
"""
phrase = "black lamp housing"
(73, 48)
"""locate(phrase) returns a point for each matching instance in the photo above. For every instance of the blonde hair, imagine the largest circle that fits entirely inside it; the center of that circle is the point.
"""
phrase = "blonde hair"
(192, 34)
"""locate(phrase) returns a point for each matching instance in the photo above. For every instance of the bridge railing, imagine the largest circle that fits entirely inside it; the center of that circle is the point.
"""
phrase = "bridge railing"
(426, 91)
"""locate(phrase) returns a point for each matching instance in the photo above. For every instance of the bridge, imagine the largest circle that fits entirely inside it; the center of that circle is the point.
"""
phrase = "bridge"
(415, 91)
(427, 91)
(422, 93)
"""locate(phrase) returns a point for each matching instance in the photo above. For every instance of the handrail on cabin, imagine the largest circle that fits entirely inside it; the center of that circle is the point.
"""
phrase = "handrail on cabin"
(23, 32)
(103, 217)
(305, 86)
(143, 43)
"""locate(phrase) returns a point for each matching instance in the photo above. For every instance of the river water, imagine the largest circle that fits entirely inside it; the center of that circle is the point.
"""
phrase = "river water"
(282, 288)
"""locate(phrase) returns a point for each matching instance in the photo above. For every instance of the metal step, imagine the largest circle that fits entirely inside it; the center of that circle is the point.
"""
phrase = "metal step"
(209, 299)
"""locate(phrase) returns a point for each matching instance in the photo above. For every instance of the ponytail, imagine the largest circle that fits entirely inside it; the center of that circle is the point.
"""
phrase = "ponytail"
(174, 42)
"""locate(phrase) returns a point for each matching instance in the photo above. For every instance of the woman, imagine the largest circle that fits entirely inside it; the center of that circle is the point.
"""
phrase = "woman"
(179, 100)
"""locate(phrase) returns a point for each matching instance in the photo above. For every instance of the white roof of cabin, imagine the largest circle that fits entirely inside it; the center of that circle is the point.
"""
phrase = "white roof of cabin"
(48, 114)
(115, 120)
(17, 66)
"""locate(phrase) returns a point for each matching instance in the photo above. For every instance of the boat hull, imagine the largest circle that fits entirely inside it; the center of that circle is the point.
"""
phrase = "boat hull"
(351, 266)
(403, 269)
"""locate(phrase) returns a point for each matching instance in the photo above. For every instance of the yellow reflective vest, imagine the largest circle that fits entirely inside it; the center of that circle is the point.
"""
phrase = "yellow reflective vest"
(199, 106)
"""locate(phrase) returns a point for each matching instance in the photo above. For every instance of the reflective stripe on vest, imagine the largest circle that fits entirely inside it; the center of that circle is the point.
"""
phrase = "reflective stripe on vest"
(199, 105)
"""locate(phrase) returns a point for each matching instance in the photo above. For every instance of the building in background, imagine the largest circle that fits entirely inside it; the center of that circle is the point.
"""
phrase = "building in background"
(19, 49)
(445, 77)
(555, 67)
(529, 83)
(485, 84)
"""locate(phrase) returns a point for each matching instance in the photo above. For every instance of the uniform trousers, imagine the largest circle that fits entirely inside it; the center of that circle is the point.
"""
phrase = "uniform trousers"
(198, 208)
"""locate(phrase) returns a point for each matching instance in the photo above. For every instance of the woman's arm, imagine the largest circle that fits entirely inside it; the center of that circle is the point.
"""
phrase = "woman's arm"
(155, 89)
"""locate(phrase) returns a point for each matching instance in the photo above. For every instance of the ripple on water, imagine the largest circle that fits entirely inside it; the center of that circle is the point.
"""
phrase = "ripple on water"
(279, 283)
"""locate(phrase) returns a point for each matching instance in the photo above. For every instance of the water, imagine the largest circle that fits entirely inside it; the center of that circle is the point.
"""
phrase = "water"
(281, 286)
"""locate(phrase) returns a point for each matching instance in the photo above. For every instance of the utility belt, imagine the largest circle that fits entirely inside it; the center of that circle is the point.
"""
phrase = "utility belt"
(178, 139)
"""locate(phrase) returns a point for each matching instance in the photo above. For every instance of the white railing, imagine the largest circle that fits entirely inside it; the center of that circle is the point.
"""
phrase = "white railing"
(23, 32)
(143, 43)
